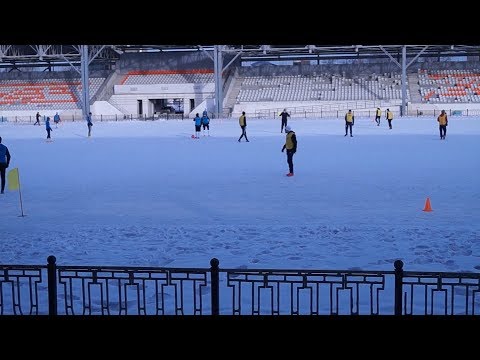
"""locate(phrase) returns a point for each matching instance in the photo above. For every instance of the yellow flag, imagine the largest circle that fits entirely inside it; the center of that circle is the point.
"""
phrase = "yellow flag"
(13, 180)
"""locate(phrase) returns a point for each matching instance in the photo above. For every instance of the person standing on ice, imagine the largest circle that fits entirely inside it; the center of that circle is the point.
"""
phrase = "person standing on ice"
(378, 114)
(56, 119)
(4, 163)
(38, 119)
(291, 146)
(443, 122)
(243, 125)
(349, 121)
(89, 124)
(47, 127)
(284, 114)
(389, 118)
(206, 123)
(198, 125)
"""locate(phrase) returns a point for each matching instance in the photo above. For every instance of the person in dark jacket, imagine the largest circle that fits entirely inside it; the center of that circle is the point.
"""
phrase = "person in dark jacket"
(243, 124)
(48, 128)
(291, 146)
(89, 124)
(284, 114)
(349, 121)
(38, 119)
(206, 123)
(4, 163)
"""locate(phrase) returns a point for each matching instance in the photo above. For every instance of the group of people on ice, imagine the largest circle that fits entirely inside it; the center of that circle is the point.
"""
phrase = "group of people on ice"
(350, 120)
(291, 138)
(48, 128)
(199, 122)
(56, 120)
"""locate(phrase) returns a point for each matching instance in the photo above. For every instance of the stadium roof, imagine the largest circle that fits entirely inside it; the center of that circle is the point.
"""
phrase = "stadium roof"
(45, 55)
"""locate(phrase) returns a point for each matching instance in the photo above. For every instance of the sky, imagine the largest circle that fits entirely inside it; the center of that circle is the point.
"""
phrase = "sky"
(146, 194)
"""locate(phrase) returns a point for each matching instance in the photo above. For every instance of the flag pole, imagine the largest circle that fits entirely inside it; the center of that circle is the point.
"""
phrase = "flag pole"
(20, 192)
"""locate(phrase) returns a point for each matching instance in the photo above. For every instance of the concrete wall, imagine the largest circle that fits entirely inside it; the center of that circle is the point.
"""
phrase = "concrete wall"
(104, 108)
(30, 116)
(39, 75)
(126, 96)
(106, 89)
(164, 60)
(412, 108)
(352, 69)
(128, 103)
(309, 106)
(341, 69)
(166, 90)
(169, 61)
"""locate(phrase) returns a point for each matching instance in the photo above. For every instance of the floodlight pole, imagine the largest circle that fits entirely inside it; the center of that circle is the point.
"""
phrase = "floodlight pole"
(218, 66)
(404, 80)
(85, 83)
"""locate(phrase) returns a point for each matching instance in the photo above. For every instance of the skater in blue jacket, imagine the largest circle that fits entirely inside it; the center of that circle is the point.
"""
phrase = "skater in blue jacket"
(4, 164)
(206, 123)
(47, 127)
(198, 126)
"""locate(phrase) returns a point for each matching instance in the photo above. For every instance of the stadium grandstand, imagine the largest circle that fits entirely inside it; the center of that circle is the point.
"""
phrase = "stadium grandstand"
(169, 81)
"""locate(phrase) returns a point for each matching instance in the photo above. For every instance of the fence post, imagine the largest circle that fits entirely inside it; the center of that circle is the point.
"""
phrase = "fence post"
(398, 286)
(214, 274)
(101, 117)
(337, 114)
(116, 119)
(467, 112)
(52, 285)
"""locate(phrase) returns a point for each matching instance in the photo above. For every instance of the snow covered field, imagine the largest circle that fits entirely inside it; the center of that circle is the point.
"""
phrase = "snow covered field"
(146, 194)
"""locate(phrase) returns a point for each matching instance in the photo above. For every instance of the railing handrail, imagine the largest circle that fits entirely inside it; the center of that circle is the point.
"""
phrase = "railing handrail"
(400, 289)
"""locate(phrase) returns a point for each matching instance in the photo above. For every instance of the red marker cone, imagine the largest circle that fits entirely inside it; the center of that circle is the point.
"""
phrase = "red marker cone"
(428, 207)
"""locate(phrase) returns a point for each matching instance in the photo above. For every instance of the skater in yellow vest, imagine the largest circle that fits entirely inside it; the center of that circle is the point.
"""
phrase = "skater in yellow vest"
(243, 124)
(443, 122)
(389, 118)
(378, 114)
(349, 121)
(291, 146)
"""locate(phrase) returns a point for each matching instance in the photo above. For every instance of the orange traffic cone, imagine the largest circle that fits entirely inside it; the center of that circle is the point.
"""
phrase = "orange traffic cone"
(428, 207)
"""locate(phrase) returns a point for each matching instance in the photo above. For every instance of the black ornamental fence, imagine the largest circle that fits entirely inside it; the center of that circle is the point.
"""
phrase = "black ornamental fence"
(111, 290)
